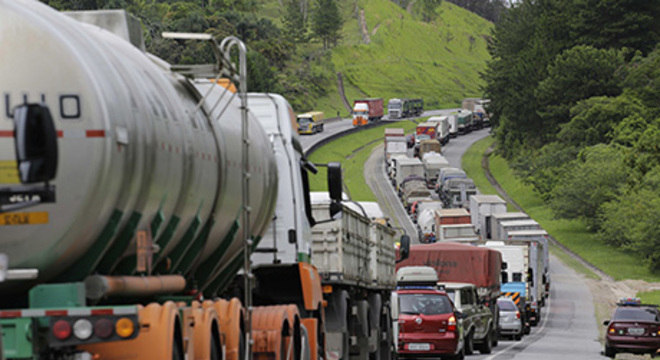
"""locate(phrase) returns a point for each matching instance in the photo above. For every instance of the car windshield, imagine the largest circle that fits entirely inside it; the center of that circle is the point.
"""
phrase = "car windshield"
(506, 305)
(636, 314)
(425, 304)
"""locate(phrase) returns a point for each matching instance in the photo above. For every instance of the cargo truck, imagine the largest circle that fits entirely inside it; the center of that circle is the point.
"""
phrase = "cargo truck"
(414, 189)
(482, 209)
(310, 123)
(412, 107)
(541, 238)
(443, 128)
(123, 272)
(460, 233)
(464, 264)
(367, 110)
(395, 143)
(394, 108)
(464, 121)
(477, 106)
(404, 167)
(456, 192)
(451, 217)
(524, 264)
(425, 131)
(433, 162)
(515, 225)
(500, 217)
(453, 125)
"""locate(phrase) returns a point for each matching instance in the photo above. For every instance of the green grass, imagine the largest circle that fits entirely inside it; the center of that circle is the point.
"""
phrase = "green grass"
(439, 61)
(352, 151)
(571, 233)
(571, 262)
(650, 297)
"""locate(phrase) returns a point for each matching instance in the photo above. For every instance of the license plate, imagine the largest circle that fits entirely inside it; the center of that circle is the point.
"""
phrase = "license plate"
(24, 218)
(419, 347)
(636, 331)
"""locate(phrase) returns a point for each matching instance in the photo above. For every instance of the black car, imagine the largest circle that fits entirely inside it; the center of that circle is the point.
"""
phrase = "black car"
(634, 328)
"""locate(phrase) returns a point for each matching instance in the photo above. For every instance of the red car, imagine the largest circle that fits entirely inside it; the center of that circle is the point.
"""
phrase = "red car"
(634, 328)
(428, 325)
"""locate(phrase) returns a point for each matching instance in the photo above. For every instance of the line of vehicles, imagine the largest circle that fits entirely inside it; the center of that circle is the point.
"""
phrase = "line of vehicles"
(449, 213)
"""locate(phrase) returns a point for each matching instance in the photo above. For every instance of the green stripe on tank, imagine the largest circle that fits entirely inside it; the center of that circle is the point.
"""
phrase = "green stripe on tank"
(227, 275)
(187, 241)
(156, 222)
(119, 245)
(86, 263)
(207, 267)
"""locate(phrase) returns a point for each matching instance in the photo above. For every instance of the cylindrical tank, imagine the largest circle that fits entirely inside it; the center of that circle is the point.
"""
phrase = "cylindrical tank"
(134, 152)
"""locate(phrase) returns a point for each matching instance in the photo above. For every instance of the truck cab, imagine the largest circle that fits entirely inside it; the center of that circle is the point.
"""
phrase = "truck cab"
(360, 114)
(310, 123)
(477, 319)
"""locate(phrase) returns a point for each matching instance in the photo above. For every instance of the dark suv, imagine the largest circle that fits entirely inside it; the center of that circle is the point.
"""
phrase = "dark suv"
(477, 319)
(634, 328)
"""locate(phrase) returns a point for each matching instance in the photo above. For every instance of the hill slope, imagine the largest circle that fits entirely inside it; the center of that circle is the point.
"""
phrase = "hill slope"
(439, 61)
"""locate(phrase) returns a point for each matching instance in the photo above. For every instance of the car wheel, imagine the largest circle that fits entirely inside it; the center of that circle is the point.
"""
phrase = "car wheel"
(486, 346)
(469, 344)
(495, 338)
(610, 352)
(517, 337)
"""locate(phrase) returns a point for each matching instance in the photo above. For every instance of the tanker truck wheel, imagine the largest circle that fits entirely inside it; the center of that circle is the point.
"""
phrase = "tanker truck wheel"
(304, 344)
(385, 347)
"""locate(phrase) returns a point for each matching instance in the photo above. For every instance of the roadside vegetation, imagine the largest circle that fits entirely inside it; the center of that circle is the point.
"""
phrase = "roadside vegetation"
(574, 87)
(572, 233)
(650, 297)
(352, 151)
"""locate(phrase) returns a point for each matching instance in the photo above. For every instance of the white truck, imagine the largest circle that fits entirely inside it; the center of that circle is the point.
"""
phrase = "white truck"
(463, 233)
(433, 163)
(524, 263)
(540, 237)
(405, 167)
(497, 219)
(356, 260)
(395, 143)
(482, 208)
(453, 125)
(443, 128)
(515, 225)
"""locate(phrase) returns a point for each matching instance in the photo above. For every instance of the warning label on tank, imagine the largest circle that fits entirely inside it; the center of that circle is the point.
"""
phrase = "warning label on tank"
(24, 218)
(9, 172)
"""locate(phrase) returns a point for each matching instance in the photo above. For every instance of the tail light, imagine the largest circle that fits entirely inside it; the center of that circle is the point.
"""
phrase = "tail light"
(517, 314)
(451, 323)
(62, 329)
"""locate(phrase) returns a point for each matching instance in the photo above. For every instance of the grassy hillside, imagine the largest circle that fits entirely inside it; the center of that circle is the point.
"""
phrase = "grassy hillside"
(439, 61)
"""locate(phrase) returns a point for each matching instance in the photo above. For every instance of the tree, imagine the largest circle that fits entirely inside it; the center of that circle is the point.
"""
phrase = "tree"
(428, 9)
(578, 73)
(617, 23)
(327, 22)
(596, 177)
(295, 20)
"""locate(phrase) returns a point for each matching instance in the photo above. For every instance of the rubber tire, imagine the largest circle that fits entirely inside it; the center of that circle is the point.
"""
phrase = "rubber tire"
(459, 356)
(495, 337)
(177, 352)
(486, 346)
(517, 337)
(216, 351)
(469, 344)
(610, 352)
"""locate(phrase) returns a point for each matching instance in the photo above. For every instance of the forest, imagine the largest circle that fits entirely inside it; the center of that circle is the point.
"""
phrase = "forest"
(574, 86)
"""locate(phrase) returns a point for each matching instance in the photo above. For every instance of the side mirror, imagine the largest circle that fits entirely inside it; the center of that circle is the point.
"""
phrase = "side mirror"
(505, 265)
(458, 314)
(606, 322)
(335, 187)
(404, 248)
(36, 143)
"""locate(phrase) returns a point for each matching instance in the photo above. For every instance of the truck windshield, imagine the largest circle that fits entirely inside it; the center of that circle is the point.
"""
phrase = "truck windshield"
(363, 113)
(394, 106)
(425, 304)
(304, 122)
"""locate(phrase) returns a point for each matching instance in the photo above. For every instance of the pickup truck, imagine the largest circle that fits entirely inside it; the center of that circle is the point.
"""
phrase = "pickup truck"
(479, 327)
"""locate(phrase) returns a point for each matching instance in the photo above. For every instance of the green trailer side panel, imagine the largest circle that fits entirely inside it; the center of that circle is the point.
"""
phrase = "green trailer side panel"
(57, 295)
(17, 338)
